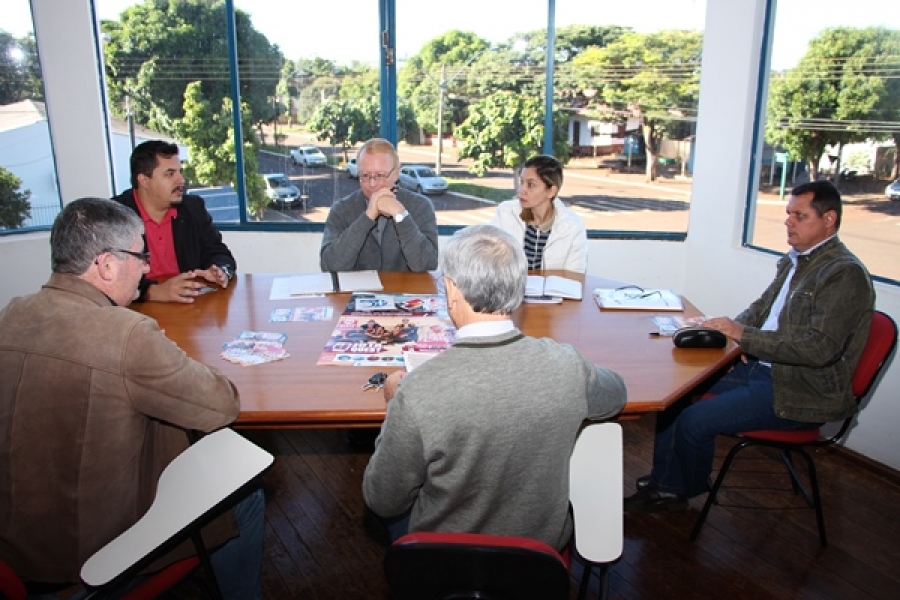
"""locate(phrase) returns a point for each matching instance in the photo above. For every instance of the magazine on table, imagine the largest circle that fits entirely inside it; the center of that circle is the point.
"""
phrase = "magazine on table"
(362, 303)
(366, 340)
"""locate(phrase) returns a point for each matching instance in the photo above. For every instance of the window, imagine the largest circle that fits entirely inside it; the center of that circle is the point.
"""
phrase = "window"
(831, 109)
(623, 117)
(29, 195)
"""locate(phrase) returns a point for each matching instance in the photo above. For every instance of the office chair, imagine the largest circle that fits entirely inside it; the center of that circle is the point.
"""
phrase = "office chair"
(461, 566)
(879, 347)
(196, 483)
(595, 492)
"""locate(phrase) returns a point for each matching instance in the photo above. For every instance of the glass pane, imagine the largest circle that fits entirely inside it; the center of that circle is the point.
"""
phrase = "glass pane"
(29, 194)
(482, 82)
(833, 111)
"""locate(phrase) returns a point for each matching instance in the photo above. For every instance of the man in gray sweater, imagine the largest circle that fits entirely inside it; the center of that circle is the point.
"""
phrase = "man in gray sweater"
(380, 227)
(478, 439)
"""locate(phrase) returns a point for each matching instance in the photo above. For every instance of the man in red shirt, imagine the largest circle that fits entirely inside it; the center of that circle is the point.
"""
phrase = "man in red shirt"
(186, 250)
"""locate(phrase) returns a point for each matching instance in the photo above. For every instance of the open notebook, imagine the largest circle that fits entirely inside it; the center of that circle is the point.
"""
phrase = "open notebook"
(553, 285)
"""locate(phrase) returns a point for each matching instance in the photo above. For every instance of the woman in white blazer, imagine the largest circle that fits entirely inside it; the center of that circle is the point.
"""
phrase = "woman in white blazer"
(553, 236)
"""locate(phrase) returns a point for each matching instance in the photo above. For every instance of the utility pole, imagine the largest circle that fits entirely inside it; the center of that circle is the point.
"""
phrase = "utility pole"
(442, 90)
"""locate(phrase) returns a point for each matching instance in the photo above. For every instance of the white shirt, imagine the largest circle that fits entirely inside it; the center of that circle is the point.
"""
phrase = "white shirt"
(485, 329)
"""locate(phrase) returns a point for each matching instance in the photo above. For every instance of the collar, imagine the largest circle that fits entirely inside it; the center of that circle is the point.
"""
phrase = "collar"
(170, 213)
(485, 328)
(794, 255)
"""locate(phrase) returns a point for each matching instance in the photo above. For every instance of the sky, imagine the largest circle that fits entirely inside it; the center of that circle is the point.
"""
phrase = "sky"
(348, 29)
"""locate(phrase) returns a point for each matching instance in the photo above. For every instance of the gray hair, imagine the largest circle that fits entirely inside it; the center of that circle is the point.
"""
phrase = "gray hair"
(488, 265)
(86, 228)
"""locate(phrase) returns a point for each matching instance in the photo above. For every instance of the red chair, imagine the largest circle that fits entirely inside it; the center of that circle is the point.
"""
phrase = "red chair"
(879, 347)
(459, 566)
(11, 587)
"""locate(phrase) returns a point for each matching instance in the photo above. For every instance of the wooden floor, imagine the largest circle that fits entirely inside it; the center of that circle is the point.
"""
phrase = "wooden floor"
(316, 548)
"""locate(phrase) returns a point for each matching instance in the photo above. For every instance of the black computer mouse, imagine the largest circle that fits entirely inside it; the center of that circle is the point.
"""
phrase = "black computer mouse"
(699, 337)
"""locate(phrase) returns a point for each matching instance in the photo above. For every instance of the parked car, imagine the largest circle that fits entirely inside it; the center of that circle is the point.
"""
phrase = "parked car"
(279, 189)
(892, 192)
(352, 169)
(422, 179)
(308, 156)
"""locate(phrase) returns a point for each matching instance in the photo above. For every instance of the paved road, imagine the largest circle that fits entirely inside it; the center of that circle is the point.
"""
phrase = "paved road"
(606, 201)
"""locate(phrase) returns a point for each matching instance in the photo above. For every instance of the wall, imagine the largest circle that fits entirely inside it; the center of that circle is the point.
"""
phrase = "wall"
(716, 272)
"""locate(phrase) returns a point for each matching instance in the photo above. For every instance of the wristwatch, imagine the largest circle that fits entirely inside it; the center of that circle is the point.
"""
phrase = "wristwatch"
(229, 272)
(398, 218)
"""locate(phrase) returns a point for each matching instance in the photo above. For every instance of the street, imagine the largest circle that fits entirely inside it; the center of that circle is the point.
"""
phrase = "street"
(606, 201)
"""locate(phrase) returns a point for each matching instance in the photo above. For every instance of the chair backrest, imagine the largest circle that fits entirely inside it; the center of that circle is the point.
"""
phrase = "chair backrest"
(879, 347)
(438, 566)
(11, 587)
(595, 491)
(194, 483)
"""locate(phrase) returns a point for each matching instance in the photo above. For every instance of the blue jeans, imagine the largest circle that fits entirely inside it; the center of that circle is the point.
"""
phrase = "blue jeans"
(238, 563)
(684, 447)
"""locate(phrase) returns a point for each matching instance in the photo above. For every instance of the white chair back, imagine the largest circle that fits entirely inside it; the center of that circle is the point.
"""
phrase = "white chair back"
(595, 491)
(192, 484)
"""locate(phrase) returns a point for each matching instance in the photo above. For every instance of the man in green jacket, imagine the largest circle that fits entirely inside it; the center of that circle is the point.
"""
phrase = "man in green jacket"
(801, 339)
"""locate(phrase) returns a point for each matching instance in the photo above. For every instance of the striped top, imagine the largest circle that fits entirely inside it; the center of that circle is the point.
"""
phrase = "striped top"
(535, 240)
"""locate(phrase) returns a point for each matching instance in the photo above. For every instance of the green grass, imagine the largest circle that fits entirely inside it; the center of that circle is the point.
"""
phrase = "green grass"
(480, 191)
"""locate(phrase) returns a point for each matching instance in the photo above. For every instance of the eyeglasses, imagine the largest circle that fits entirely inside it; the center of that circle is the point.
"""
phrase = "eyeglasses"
(375, 177)
(141, 256)
(634, 292)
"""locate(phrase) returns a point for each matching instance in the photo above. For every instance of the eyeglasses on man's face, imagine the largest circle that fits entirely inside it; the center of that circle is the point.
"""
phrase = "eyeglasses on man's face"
(144, 257)
(375, 178)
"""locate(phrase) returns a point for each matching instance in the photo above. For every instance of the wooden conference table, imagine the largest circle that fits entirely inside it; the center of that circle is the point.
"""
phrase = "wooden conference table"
(296, 393)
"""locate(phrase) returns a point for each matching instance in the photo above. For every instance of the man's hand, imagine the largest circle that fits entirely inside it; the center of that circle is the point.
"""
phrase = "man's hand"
(391, 383)
(384, 202)
(731, 328)
(214, 275)
(183, 287)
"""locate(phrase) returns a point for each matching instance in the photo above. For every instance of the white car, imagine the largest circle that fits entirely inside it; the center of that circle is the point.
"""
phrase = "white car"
(422, 179)
(279, 188)
(352, 169)
(892, 192)
(308, 156)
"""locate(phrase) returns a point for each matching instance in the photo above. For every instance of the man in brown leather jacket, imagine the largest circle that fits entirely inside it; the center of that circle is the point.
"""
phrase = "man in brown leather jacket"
(94, 403)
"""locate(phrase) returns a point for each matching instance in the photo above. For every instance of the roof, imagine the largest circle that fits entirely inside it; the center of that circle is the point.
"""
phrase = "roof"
(29, 112)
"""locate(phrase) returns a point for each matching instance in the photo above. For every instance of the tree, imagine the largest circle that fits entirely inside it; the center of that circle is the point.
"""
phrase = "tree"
(844, 89)
(211, 143)
(344, 123)
(653, 76)
(439, 60)
(14, 203)
(20, 71)
(505, 129)
(159, 47)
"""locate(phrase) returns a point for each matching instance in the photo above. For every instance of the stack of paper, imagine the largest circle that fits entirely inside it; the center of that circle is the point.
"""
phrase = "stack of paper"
(669, 325)
(309, 284)
(637, 299)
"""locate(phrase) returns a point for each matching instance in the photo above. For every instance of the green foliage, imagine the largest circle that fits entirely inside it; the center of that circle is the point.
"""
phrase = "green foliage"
(14, 204)
(210, 139)
(441, 59)
(159, 47)
(847, 75)
(20, 71)
(652, 75)
(505, 129)
(344, 123)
